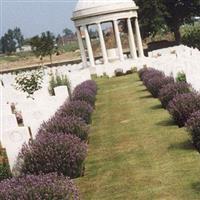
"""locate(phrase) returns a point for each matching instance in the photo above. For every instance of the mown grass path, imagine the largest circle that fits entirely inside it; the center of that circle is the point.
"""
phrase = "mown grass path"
(135, 150)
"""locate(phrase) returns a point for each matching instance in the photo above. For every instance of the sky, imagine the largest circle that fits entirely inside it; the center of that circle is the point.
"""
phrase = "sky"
(36, 16)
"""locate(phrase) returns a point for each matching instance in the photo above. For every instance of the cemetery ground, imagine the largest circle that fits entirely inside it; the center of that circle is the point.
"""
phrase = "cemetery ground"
(135, 149)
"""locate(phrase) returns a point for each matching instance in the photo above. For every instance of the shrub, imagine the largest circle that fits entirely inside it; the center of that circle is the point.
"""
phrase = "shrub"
(193, 126)
(86, 91)
(56, 81)
(119, 72)
(4, 166)
(182, 106)
(68, 124)
(141, 72)
(169, 91)
(181, 77)
(131, 71)
(4, 172)
(84, 94)
(89, 84)
(61, 153)
(42, 187)
(29, 81)
(147, 76)
(191, 35)
(78, 108)
(156, 83)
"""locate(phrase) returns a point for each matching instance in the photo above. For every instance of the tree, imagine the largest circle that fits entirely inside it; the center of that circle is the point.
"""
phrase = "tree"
(178, 12)
(8, 43)
(48, 40)
(150, 17)
(68, 32)
(161, 13)
(12, 40)
(43, 45)
(36, 46)
(59, 40)
(18, 37)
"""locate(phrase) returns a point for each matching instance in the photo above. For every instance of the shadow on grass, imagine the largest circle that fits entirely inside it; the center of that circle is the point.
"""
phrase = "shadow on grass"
(146, 97)
(156, 107)
(143, 90)
(167, 122)
(186, 145)
(196, 186)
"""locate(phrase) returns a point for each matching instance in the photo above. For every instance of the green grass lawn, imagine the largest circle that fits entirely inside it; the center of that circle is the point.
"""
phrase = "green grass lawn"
(135, 150)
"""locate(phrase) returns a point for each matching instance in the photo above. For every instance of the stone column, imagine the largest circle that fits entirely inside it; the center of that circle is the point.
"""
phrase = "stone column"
(118, 40)
(81, 46)
(89, 46)
(102, 42)
(131, 39)
(138, 39)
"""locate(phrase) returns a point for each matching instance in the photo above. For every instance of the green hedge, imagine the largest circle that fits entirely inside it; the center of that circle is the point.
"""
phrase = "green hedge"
(191, 35)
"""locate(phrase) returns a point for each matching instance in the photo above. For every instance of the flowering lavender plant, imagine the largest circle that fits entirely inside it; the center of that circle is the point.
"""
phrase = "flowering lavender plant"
(41, 187)
(61, 153)
(148, 76)
(156, 83)
(182, 106)
(78, 108)
(84, 94)
(150, 73)
(89, 84)
(65, 125)
(169, 91)
(86, 91)
(193, 126)
(141, 72)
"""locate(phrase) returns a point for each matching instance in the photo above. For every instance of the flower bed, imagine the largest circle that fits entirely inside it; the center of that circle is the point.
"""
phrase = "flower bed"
(60, 147)
(180, 99)
(61, 153)
(65, 125)
(169, 91)
(42, 187)
(182, 106)
(193, 126)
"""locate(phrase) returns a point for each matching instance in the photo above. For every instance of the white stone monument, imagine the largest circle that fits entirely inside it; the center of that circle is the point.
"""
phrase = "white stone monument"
(97, 12)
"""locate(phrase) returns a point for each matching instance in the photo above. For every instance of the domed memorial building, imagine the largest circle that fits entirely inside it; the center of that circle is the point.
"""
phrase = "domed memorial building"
(114, 24)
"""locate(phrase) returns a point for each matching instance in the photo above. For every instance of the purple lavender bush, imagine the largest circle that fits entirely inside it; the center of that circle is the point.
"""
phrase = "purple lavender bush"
(169, 91)
(65, 125)
(41, 187)
(84, 94)
(141, 72)
(89, 84)
(182, 106)
(79, 108)
(156, 83)
(60, 153)
(151, 73)
(193, 126)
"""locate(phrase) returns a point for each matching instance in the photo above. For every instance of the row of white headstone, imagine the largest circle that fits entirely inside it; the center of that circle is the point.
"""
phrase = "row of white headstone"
(173, 60)
(169, 60)
(110, 68)
(34, 111)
